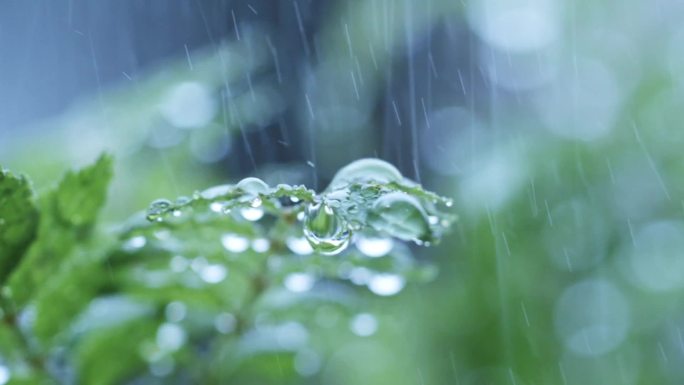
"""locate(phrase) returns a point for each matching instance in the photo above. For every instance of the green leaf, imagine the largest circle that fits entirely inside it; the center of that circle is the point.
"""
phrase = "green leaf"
(74, 285)
(66, 220)
(18, 220)
(111, 356)
(80, 195)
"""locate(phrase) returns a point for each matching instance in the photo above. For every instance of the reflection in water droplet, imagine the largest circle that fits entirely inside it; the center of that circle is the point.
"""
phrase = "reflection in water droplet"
(374, 247)
(401, 216)
(234, 243)
(299, 246)
(364, 324)
(225, 323)
(157, 209)
(5, 374)
(325, 230)
(175, 311)
(252, 214)
(386, 284)
(261, 245)
(299, 282)
(213, 273)
(170, 337)
(364, 170)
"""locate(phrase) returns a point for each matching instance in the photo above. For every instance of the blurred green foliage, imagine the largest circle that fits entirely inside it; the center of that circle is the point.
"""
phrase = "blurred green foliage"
(211, 288)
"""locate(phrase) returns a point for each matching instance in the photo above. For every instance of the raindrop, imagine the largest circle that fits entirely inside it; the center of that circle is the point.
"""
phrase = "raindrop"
(214, 273)
(325, 230)
(170, 337)
(234, 243)
(401, 216)
(299, 246)
(364, 325)
(299, 282)
(253, 186)
(374, 247)
(252, 214)
(175, 311)
(386, 284)
(157, 209)
(369, 169)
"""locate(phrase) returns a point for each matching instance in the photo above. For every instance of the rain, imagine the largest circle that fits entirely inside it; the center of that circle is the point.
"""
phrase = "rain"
(342, 192)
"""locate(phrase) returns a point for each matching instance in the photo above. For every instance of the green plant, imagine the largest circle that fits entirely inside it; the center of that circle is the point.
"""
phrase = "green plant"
(212, 287)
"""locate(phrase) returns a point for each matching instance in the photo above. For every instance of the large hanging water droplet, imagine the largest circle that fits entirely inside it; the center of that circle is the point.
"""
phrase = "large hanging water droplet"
(325, 230)
(401, 216)
(157, 209)
(253, 186)
(364, 170)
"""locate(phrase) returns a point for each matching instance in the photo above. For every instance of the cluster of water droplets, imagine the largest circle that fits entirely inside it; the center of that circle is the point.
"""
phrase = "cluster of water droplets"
(368, 204)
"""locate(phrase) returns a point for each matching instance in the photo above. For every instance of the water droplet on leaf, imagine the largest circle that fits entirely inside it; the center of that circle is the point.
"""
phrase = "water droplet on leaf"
(157, 209)
(325, 230)
(401, 216)
(253, 186)
(364, 170)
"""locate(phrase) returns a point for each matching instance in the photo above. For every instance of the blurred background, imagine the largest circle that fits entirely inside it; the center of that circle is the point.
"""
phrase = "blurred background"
(555, 125)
